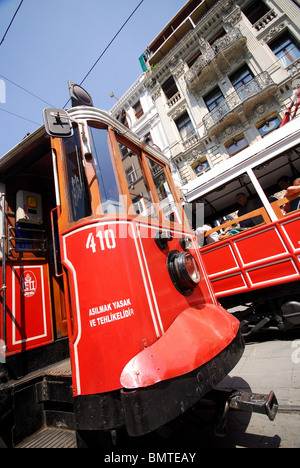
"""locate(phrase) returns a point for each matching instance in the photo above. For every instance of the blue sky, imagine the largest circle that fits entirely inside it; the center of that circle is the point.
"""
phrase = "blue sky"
(52, 41)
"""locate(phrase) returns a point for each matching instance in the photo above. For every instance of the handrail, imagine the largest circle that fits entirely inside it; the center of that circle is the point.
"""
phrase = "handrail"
(259, 212)
(278, 203)
(3, 288)
(57, 274)
(252, 214)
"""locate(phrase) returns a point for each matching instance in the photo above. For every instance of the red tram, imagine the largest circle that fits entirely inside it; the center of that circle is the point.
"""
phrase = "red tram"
(98, 261)
(254, 268)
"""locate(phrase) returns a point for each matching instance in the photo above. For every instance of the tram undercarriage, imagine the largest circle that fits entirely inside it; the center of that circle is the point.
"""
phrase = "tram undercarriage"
(266, 309)
(43, 399)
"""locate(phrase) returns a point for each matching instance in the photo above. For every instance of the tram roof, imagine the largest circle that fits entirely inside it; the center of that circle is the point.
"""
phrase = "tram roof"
(277, 142)
(80, 113)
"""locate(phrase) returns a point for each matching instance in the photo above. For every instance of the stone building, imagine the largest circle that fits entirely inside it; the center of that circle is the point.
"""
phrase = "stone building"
(216, 79)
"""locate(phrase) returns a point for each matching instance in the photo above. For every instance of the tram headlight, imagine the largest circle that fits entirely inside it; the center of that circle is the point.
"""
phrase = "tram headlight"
(184, 271)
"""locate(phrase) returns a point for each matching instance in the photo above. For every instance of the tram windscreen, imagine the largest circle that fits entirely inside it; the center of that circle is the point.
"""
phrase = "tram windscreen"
(80, 203)
(106, 173)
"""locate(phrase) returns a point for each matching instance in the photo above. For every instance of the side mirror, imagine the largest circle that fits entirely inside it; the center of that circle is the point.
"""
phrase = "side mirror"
(57, 123)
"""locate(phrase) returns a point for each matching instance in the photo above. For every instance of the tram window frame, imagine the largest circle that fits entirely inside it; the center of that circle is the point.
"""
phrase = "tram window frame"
(170, 188)
(143, 155)
(86, 207)
(113, 206)
(118, 141)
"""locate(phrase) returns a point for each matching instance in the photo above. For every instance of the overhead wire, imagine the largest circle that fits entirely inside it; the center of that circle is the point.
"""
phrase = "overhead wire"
(107, 47)
(26, 90)
(115, 36)
(91, 69)
(11, 22)
(20, 116)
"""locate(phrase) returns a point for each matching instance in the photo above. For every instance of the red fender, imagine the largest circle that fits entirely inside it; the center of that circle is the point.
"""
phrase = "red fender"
(196, 336)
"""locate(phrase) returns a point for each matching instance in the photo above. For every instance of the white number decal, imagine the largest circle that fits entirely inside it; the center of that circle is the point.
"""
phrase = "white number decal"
(106, 240)
(90, 243)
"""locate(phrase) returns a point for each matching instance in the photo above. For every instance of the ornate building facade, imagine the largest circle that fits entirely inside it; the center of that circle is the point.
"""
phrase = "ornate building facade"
(218, 78)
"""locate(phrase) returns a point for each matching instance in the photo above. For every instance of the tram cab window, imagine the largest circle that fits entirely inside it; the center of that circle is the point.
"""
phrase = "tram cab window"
(106, 172)
(142, 202)
(80, 204)
(166, 199)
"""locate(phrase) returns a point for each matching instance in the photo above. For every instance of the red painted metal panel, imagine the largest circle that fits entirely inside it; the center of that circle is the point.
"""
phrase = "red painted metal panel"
(263, 256)
(273, 273)
(194, 338)
(133, 306)
(114, 315)
(230, 284)
(260, 246)
(219, 258)
(161, 281)
(28, 312)
(292, 231)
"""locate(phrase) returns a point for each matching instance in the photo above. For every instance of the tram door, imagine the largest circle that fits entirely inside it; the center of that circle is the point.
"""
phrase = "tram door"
(35, 306)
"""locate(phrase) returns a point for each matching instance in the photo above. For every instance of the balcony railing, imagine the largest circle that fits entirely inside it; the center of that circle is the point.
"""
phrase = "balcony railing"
(190, 140)
(265, 20)
(237, 98)
(228, 41)
(174, 99)
(294, 67)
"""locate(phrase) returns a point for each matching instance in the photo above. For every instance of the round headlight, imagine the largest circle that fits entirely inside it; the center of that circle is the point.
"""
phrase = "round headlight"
(184, 271)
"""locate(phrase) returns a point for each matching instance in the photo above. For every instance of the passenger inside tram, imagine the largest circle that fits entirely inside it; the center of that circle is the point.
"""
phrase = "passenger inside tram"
(247, 206)
(292, 190)
(284, 182)
(275, 195)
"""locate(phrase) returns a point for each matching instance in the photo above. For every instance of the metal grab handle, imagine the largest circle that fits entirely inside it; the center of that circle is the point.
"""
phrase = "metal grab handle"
(3, 288)
(58, 275)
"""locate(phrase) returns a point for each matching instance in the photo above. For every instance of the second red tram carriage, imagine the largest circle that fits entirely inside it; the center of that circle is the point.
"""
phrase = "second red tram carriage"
(254, 264)
(99, 261)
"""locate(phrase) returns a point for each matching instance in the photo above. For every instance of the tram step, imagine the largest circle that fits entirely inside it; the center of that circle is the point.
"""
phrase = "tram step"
(50, 437)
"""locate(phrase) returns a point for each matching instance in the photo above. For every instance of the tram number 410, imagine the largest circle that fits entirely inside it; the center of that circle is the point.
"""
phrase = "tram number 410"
(106, 240)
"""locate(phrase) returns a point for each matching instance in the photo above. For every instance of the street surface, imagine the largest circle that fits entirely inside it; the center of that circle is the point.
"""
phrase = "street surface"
(273, 363)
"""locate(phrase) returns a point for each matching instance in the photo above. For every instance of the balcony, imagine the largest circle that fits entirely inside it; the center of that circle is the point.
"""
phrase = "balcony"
(190, 140)
(242, 99)
(222, 51)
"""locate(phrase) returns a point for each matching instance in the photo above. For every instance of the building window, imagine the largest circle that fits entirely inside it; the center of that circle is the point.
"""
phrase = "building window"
(255, 10)
(185, 126)
(243, 82)
(170, 88)
(268, 125)
(241, 77)
(217, 36)
(201, 166)
(235, 145)
(190, 62)
(138, 110)
(131, 175)
(123, 118)
(286, 49)
(213, 99)
(148, 139)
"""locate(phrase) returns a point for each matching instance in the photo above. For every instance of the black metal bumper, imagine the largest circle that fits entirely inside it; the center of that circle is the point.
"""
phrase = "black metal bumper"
(145, 409)
(148, 409)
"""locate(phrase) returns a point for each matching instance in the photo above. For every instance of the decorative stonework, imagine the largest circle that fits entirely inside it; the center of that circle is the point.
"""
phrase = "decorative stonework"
(177, 112)
(234, 17)
(273, 32)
